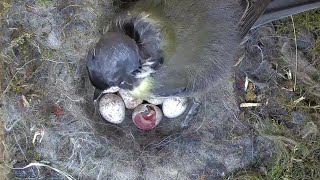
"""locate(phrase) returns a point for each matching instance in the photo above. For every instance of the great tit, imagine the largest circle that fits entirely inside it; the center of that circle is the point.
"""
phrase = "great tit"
(179, 48)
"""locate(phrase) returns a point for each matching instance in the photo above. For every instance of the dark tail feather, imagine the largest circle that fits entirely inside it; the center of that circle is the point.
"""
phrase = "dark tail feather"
(278, 9)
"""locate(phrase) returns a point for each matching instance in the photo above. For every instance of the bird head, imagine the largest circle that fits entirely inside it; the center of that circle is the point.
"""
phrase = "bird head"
(127, 55)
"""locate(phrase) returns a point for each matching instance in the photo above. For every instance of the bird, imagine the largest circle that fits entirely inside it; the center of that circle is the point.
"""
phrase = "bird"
(163, 48)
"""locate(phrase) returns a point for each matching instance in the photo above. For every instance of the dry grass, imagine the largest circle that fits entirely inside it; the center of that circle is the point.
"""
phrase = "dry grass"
(291, 118)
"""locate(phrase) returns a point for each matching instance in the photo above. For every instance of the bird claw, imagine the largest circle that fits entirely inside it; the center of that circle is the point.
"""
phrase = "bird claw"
(193, 111)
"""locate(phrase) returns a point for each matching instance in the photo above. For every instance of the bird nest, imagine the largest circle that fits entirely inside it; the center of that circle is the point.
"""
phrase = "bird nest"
(49, 118)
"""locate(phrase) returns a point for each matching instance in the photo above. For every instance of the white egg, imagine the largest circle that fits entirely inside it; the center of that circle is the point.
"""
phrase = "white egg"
(130, 101)
(112, 108)
(173, 107)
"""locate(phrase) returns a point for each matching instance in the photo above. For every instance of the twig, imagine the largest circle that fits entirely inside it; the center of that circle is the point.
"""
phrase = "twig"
(17, 142)
(299, 100)
(246, 84)
(240, 60)
(36, 134)
(296, 46)
(248, 105)
(36, 164)
(261, 52)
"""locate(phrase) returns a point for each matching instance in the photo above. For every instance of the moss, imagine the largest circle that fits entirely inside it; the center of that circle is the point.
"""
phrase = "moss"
(309, 21)
(33, 155)
(4, 6)
(247, 175)
(297, 156)
(47, 54)
(21, 39)
(44, 2)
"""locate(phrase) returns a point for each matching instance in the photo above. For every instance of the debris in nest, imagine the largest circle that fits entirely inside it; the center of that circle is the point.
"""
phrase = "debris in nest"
(240, 60)
(112, 108)
(299, 100)
(25, 102)
(35, 96)
(289, 74)
(147, 116)
(248, 105)
(250, 96)
(249, 87)
(57, 110)
(174, 106)
(246, 83)
(38, 133)
(288, 85)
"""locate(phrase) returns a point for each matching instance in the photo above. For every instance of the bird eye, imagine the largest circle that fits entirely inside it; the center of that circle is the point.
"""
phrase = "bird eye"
(125, 85)
(133, 73)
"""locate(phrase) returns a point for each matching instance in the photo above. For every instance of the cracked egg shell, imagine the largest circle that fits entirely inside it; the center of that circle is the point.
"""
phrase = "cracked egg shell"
(112, 108)
(129, 101)
(173, 107)
(147, 116)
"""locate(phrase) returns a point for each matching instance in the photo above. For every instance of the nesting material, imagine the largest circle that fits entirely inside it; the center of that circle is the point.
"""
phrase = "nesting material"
(112, 108)
(129, 101)
(174, 106)
(147, 116)
(248, 105)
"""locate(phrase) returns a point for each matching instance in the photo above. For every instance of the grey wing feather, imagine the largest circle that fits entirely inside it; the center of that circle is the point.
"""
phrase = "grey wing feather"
(253, 9)
(278, 9)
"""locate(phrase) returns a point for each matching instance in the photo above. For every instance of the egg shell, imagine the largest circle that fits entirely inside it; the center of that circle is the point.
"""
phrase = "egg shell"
(142, 108)
(130, 101)
(173, 107)
(112, 108)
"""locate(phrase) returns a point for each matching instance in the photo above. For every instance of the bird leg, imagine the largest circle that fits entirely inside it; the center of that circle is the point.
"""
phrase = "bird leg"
(193, 111)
